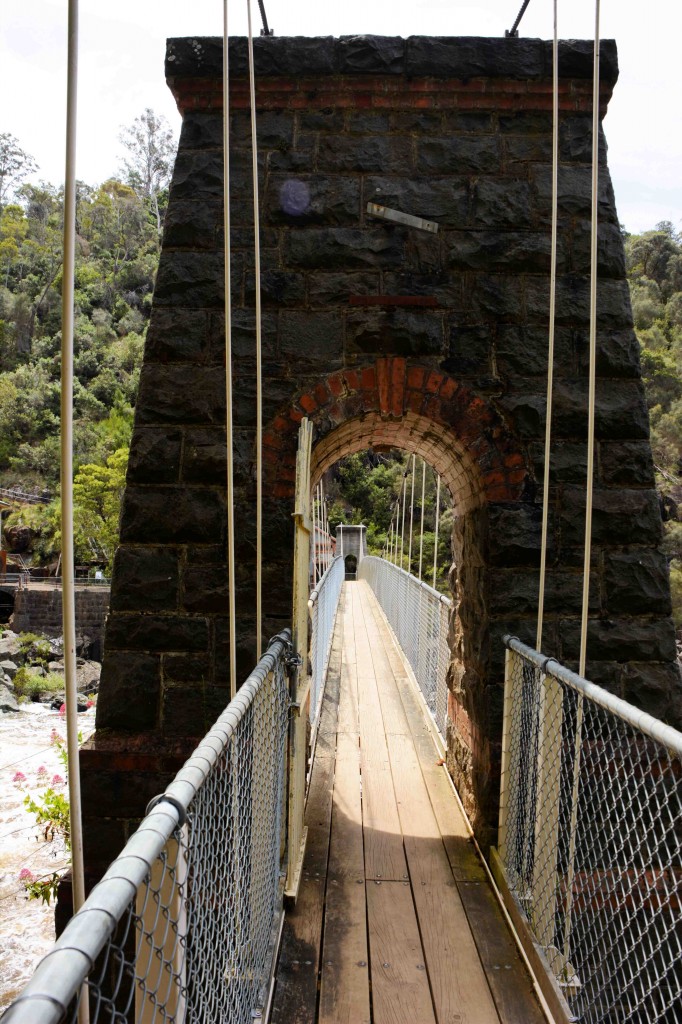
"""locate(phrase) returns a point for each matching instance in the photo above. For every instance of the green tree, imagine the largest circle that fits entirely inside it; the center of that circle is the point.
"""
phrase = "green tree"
(15, 165)
(150, 146)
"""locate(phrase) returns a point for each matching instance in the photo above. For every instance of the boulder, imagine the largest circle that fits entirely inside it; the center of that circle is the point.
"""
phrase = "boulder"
(19, 539)
(9, 668)
(58, 699)
(87, 676)
(8, 702)
(10, 645)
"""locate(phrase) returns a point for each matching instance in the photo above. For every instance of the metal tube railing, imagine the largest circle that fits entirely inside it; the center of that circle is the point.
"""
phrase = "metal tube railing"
(590, 840)
(419, 617)
(323, 602)
(181, 926)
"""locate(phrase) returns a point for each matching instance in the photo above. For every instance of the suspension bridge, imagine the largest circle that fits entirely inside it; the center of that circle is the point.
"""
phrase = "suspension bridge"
(427, 204)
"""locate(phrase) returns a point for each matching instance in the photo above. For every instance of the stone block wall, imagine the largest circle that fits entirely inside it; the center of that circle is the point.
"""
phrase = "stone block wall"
(39, 610)
(383, 334)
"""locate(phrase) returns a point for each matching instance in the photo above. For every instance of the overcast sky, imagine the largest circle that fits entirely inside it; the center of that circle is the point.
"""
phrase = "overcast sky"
(122, 53)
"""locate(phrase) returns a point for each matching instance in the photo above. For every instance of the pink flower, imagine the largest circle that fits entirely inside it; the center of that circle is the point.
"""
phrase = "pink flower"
(42, 770)
(62, 710)
(57, 780)
(26, 876)
(90, 704)
(55, 737)
(19, 778)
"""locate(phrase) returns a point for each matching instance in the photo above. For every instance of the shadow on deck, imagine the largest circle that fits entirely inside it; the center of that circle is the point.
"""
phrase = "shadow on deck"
(395, 919)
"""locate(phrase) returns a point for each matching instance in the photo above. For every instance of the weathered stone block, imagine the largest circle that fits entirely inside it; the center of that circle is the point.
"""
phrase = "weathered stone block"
(498, 204)
(567, 463)
(573, 302)
(172, 515)
(273, 128)
(458, 154)
(516, 592)
(127, 631)
(620, 410)
(186, 668)
(394, 331)
(617, 353)
(469, 349)
(492, 250)
(344, 248)
(637, 582)
(129, 690)
(388, 155)
(368, 122)
(177, 335)
(201, 130)
(620, 639)
(474, 56)
(154, 455)
(514, 533)
(205, 590)
(361, 54)
(311, 339)
(197, 175)
(655, 689)
(630, 516)
(311, 199)
(191, 279)
(277, 288)
(181, 394)
(336, 289)
(193, 224)
(445, 200)
(522, 351)
(626, 464)
(146, 579)
(329, 120)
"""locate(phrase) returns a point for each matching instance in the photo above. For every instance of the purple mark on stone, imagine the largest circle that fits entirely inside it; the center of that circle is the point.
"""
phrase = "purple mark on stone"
(295, 197)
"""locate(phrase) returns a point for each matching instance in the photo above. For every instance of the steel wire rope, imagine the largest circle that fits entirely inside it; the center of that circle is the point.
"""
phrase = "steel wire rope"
(435, 539)
(228, 357)
(552, 317)
(421, 519)
(577, 761)
(66, 470)
(259, 354)
(514, 30)
(402, 524)
(409, 549)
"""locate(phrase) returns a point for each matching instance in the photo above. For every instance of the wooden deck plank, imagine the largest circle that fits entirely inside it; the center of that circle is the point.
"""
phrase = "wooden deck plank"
(400, 987)
(507, 975)
(344, 976)
(458, 980)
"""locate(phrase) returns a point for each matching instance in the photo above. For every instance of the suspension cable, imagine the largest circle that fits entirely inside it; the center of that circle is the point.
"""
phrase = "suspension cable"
(577, 746)
(402, 527)
(421, 519)
(66, 468)
(267, 31)
(552, 317)
(593, 347)
(259, 347)
(514, 30)
(228, 360)
(409, 550)
(435, 541)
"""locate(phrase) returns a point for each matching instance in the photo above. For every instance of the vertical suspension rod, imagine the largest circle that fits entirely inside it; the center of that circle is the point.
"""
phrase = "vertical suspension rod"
(435, 540)
(409, 550)
(402, 525)
(66, 469)
(228, 359)
(552, 309)
(421, 519)
(259, 349)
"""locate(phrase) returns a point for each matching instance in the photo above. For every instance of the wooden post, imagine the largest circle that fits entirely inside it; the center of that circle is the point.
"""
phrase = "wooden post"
(300, 685)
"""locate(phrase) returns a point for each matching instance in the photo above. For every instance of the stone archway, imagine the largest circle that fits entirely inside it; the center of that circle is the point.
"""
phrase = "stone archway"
(392, 402)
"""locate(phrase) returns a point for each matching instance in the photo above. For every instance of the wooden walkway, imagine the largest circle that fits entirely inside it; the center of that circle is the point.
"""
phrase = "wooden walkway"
(395, 920)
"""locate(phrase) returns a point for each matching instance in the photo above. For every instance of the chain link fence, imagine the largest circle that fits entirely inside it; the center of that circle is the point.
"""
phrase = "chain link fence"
(590, 840)
(419, 617)
(183, 927)
(324, 600)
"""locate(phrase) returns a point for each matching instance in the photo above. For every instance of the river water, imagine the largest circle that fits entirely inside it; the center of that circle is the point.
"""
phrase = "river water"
(27, 925)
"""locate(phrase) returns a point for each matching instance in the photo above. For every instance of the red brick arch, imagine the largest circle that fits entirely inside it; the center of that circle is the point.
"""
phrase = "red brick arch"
(393, 402)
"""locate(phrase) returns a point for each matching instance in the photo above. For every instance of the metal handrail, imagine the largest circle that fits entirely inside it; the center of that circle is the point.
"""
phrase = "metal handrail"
(49, 996)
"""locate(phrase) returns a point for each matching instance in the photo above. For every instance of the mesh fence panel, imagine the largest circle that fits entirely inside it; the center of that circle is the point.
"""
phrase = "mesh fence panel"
(419, 617)
(590, 839)
(323, 603)
(182, 928)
